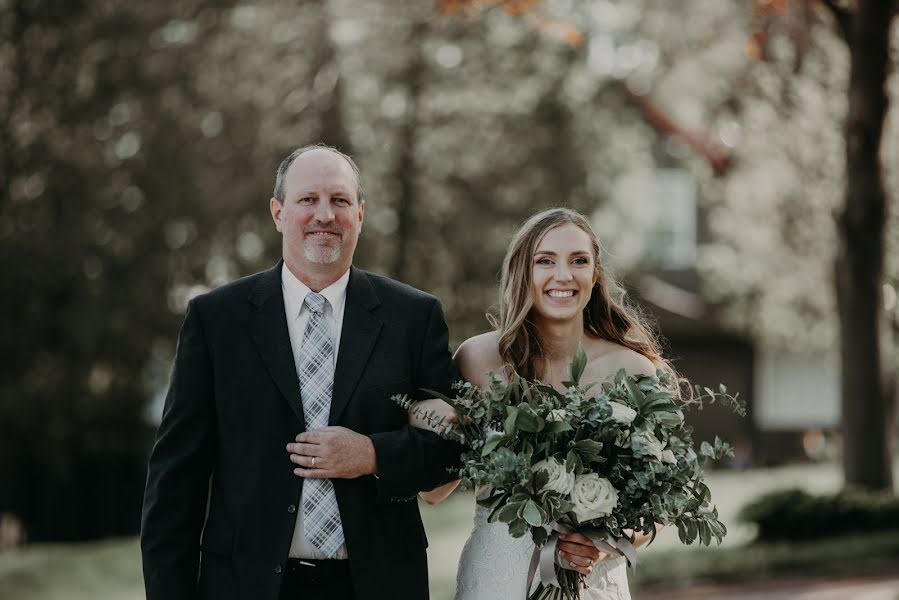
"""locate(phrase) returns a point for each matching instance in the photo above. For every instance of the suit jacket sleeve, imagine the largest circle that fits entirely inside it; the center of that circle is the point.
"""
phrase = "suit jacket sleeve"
(412, 459)
(179, 471)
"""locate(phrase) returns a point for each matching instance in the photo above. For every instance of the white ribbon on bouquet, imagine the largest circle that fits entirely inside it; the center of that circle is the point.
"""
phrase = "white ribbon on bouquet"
(544, 559)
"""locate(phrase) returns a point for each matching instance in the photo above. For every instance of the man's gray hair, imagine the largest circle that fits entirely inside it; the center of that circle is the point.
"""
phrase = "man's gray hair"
(285, 165)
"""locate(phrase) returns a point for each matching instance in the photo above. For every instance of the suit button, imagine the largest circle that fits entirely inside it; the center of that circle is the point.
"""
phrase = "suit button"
(292, 508)
(278, 569)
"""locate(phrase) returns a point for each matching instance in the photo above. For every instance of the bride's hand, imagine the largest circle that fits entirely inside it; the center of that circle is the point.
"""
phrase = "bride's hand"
(436, 410)
(580, 552)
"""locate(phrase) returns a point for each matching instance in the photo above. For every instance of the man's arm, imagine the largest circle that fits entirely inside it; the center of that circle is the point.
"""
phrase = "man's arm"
(179, 470)
(411, 459)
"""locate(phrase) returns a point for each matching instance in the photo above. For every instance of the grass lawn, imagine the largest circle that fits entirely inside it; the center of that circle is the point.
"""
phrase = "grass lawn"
(110, 569)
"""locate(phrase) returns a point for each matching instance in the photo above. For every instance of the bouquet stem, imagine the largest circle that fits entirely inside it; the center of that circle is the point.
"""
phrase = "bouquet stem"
(571, 583)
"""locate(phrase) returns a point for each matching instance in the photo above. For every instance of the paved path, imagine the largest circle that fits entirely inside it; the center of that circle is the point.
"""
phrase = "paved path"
(857, 588)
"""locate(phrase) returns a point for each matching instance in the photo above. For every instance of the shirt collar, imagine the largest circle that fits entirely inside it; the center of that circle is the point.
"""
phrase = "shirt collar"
(295, 291)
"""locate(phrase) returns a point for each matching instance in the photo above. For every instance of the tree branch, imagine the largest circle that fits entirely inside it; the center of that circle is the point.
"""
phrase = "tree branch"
(718, 156)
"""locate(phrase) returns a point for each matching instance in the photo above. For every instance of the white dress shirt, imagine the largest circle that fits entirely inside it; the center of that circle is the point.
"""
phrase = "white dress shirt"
(297, 317)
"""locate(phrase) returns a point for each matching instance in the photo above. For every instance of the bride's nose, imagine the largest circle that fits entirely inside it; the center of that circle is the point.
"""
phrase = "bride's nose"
(563, 273)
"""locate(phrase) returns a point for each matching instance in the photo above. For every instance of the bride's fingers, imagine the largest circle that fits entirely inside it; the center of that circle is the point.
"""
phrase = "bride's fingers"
(583, 569)
(583, 550)
(575, 560)
(576, 538)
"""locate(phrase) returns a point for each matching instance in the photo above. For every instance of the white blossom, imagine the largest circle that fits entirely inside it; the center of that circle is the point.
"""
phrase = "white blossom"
(593, 497)
(560, 480)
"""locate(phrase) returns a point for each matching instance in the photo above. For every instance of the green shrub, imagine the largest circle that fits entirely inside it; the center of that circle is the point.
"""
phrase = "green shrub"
(794, 514)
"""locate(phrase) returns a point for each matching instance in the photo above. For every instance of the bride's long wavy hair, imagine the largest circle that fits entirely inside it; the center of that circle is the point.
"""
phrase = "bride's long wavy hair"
(607, 315)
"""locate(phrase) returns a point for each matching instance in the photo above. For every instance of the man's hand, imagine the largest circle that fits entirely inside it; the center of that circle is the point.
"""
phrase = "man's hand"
(333, 453)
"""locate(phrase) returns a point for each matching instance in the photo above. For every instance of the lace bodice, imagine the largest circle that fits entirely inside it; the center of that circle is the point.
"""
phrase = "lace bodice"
(494, 566)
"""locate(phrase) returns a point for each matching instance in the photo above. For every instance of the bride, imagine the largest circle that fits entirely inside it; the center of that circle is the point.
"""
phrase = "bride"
(554, 296)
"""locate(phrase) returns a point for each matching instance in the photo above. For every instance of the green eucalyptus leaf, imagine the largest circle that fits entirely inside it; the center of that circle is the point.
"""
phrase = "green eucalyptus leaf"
(541, 478)
(557, 427)
(492, 442)
(509, 425)
(705, 533)
(518, 528)
(692, 531)
(635, 396)
(531, 513)
(539, 535)
(509, 512)
(577, 366)
(573, 462)
(682, 531)
(527, 420)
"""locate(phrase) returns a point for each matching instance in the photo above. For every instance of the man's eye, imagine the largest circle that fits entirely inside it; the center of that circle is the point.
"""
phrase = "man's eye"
(306, 200)
(341, 200)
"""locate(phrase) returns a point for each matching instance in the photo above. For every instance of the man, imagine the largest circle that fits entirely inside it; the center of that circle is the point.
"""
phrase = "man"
(279, 441)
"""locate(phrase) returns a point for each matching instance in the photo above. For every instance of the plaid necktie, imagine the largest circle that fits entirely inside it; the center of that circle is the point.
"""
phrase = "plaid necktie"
(321, 517)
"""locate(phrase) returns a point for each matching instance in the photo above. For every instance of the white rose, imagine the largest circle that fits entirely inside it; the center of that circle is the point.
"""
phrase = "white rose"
(622, 413)
(593, 497)
(560, 480)
(646, 444)
(668, 457)
(557, 414)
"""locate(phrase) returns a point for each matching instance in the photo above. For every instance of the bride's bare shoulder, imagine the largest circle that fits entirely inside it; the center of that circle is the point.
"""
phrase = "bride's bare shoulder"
(610, 357)
(477, 356)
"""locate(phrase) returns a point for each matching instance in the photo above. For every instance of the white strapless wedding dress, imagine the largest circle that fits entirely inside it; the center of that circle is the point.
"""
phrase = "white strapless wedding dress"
(494, 566)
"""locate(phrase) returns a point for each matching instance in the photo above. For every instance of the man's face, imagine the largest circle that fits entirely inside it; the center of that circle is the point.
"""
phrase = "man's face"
(321, 217)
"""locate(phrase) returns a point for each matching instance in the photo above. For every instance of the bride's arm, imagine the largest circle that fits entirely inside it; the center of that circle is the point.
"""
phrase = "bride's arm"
(434, 414)
(439, 494)
(475, 357)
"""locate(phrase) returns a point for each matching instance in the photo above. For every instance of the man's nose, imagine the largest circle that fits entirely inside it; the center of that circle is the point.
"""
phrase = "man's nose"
(323, 211)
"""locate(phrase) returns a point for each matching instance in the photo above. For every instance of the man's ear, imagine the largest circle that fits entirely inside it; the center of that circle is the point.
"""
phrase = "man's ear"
(275, 206)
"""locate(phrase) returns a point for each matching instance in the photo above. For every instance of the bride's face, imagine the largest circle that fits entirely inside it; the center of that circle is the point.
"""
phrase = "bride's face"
(563, 273)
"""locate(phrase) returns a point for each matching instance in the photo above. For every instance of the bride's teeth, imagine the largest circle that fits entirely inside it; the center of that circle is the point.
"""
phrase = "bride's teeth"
(556, 294)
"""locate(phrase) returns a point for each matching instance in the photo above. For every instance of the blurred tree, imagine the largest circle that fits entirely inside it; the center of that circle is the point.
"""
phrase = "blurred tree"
(868, 387)
(134, 136)
(461, 138)
(772, 83)
(804, 44)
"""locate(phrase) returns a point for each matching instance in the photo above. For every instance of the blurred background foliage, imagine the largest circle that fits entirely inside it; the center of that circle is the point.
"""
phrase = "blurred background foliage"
(140, 140)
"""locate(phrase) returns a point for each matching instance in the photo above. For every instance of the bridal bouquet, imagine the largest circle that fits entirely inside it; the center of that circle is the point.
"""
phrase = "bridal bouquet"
(606, 461)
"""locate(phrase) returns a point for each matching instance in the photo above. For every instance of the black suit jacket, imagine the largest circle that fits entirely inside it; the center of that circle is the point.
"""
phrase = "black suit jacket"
(221, 497)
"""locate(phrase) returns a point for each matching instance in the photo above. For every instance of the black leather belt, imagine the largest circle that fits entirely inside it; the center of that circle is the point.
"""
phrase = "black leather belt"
(317, 580)
(320, 570)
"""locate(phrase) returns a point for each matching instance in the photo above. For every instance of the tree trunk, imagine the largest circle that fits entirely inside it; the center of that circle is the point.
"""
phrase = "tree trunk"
(330, 100)
(406, 170)
(867, 401)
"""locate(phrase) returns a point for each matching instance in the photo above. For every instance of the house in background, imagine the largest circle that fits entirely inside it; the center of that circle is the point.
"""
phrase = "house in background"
(792, 400)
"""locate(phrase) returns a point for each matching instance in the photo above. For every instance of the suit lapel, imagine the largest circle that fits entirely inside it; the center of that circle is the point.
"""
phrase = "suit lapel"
(357, 340)
(273, 340)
